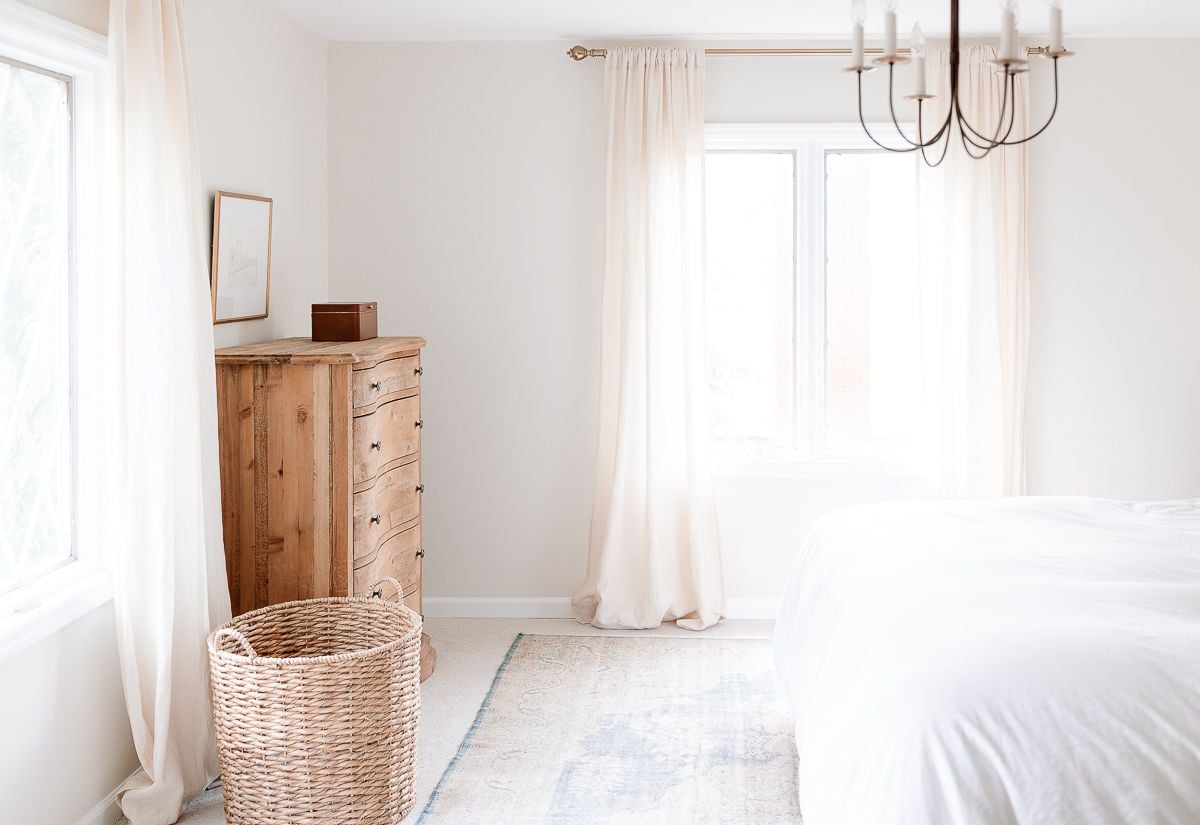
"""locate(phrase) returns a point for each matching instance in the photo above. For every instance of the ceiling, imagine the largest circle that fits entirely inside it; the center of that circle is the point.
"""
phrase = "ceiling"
(597, 20)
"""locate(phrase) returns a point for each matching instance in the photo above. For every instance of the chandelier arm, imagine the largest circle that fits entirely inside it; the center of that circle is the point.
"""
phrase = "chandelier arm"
(967, 143)
(1049, 120)
(1012, 113)
(1005, 108)
(969, 136)
(862, 121)
(936, 163)
(945, 147)
(892, 108)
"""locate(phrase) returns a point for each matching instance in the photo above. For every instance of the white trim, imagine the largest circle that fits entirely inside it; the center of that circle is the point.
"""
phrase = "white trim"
(106, 811)
(752, 609)
(486, 607)
(549, 607)
(44, 606)
(728, 136)
(47, 605)
(815, 468)
(806, 454)
(39, 32)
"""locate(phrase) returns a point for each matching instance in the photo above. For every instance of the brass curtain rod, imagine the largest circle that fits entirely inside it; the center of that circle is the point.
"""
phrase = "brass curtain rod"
(583, 53)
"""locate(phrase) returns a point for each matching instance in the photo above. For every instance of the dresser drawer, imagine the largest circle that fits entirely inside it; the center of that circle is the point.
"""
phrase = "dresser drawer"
(394, 498)
(390, 433)
(385, 378)
(398, 557)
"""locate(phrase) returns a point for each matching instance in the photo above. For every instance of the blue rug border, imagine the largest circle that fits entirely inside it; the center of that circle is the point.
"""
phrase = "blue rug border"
(466, 742)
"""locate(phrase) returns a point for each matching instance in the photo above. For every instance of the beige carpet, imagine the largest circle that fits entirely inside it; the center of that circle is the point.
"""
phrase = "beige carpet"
(469, 653)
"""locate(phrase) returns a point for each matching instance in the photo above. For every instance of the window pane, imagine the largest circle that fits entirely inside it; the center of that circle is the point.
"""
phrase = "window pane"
(750, 249)
(35, 362)
(872, 349)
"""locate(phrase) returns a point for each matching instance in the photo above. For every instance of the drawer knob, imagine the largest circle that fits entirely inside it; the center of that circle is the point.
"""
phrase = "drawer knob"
(376, 519)
(419, 371)
(377, 385)
(420, 423)
(420, 488)
(376, 445)
(421, 553)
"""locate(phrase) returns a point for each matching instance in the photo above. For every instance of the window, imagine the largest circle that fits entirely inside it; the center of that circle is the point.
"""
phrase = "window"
(36, 337)
(811, 294)
(51, 263)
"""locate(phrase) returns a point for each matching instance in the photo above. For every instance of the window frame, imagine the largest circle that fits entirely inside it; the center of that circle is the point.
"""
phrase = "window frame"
(45, 43)
(809, 143)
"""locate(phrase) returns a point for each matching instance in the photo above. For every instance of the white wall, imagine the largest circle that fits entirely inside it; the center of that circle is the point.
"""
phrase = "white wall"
(259, 89)
(1114, 385)
(65, 743)
(466, 190)
(258, 84)
(465, 198)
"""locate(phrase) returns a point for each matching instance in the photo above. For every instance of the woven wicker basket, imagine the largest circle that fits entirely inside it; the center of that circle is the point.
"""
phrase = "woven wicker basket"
(315, 706)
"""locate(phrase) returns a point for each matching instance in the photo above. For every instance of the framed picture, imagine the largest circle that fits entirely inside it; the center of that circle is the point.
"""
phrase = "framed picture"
(241, 257)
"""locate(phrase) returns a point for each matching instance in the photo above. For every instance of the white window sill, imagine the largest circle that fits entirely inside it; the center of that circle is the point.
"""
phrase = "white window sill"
(848, 468)
(42, 608)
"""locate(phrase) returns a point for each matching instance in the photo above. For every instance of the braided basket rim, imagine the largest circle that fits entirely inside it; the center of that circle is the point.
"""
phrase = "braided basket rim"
(414, 631)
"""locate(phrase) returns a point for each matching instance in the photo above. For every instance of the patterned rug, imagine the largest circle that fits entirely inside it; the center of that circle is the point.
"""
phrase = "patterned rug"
(613, 730)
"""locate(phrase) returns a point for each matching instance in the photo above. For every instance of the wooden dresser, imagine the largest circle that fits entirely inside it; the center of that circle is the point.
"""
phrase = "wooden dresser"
(321, 470)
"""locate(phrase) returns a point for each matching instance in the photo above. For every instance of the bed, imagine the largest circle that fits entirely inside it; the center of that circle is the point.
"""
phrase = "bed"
(1029, 661)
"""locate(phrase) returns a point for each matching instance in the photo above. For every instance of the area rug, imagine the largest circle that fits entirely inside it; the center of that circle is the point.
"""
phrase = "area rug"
(616, 730)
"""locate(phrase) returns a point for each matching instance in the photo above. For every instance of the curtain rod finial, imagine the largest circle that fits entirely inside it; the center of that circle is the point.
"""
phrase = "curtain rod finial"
(578, 53)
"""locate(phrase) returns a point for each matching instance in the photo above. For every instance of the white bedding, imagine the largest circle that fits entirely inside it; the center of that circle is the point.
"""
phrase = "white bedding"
(1028, 661)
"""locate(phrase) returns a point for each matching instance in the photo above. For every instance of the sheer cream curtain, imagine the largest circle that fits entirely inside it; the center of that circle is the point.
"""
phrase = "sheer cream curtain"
(654, 553)
(169, 568)
(974, 266)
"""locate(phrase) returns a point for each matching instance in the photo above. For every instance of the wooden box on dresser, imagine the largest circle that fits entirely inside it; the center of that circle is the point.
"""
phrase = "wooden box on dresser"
(321, 488)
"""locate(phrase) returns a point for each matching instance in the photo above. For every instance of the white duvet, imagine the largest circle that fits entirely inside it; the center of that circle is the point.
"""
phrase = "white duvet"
(1027, 661)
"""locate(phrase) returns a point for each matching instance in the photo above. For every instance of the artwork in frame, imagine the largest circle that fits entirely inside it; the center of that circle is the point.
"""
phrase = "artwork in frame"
(241, 257)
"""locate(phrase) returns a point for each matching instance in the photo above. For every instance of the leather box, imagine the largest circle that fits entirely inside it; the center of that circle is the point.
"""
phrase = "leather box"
(354, 321)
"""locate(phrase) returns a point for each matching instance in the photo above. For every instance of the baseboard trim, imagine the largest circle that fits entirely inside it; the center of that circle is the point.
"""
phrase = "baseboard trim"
(548, 607)
(484, 607)
(106, 811)
(753, 608)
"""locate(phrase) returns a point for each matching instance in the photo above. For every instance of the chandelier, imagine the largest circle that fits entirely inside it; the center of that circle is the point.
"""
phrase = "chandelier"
(1009, 63)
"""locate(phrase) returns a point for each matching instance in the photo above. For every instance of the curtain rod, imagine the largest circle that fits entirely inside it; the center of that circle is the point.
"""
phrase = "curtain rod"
(583, 53)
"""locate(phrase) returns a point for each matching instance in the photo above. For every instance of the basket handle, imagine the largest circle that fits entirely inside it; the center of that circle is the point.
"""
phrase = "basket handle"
(377, 588)
(236, 635)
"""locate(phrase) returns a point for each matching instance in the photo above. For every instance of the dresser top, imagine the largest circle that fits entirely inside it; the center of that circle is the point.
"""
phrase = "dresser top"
(308, 351)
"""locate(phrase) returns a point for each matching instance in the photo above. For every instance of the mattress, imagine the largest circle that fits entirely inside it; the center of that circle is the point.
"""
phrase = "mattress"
(1013, 662)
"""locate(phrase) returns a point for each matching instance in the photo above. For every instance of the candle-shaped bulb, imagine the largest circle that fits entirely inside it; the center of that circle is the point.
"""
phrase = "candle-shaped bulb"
(1056, 27)
(916, 41)
(858, 14)
(889, 27)
(1008, 29)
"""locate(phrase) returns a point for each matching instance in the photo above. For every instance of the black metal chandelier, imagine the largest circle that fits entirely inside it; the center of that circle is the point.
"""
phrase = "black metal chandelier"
(1009, 64)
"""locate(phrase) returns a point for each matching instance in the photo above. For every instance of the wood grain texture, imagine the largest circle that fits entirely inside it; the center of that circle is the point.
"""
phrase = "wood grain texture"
(365, 354)
(398, 557)
(393, 500)
(300, 480)
(384, 437)
(341, 448)
(235, 425)
(384, 382)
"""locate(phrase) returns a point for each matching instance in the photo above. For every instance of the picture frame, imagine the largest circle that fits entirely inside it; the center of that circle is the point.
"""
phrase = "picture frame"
(241, 257)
